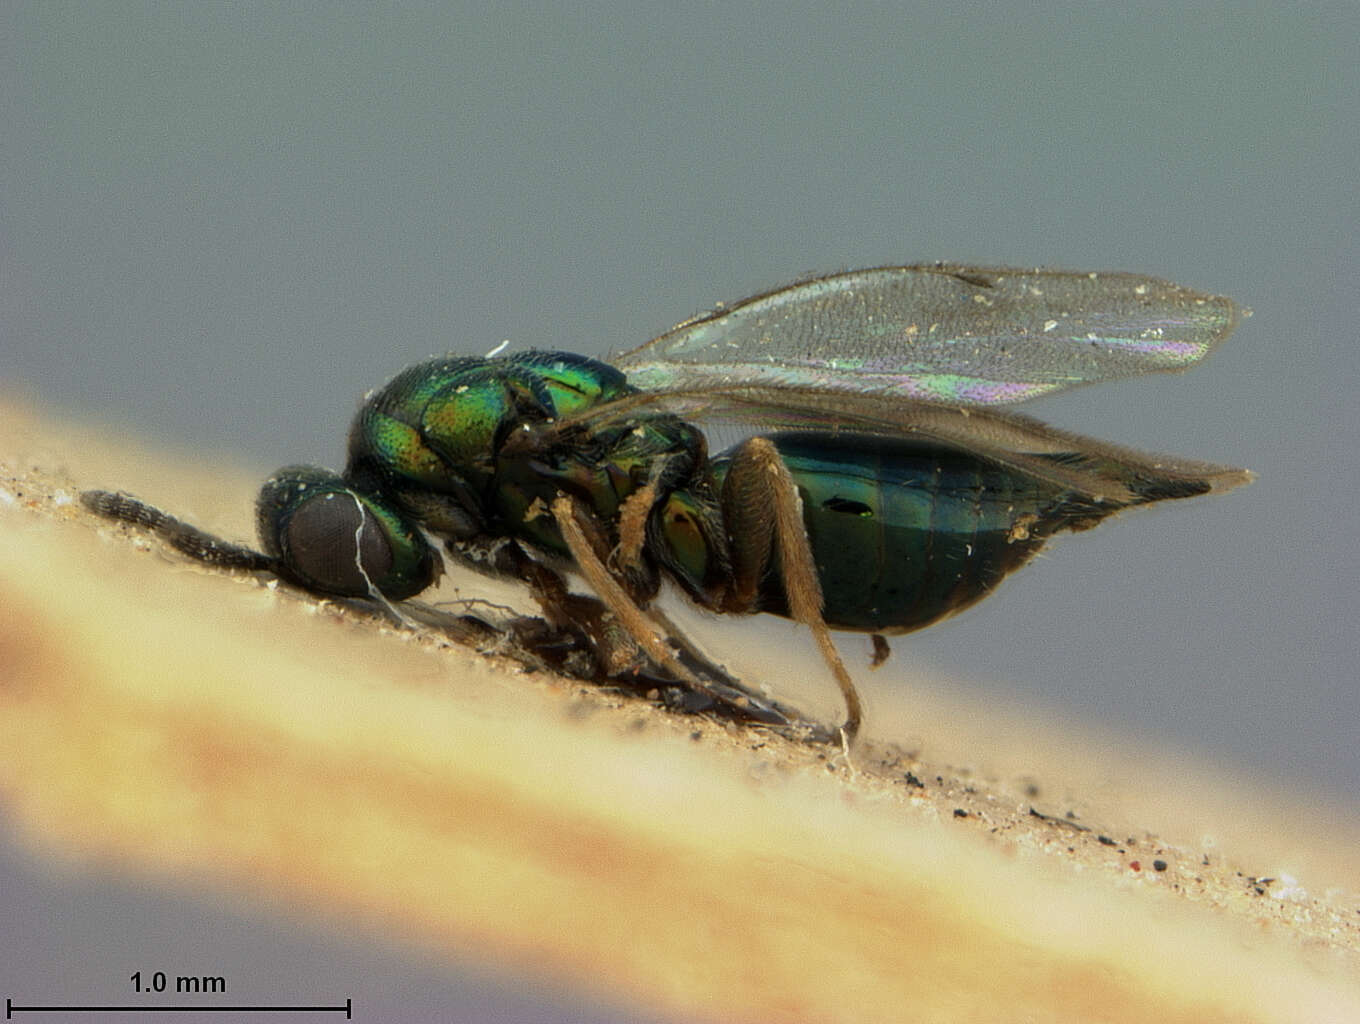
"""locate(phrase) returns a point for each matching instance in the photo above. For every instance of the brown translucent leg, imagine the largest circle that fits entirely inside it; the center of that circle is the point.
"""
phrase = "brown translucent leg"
(575, 529)
(588, 551)
(616, 652)
(633, 515)
(762, 509)
(620, 654)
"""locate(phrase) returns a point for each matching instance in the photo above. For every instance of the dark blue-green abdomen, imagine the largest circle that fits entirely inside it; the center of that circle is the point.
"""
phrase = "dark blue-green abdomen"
(905, 532)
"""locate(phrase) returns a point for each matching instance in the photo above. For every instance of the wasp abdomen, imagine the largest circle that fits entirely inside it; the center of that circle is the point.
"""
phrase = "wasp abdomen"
(906, 532)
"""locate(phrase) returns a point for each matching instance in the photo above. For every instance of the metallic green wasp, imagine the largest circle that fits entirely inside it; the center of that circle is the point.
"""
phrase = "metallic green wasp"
(882, 489)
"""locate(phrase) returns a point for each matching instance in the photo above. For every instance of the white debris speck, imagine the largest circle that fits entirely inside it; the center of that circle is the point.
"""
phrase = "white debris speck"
(1049, 325)
(61, 499)
(1288, 888)
(6, 498)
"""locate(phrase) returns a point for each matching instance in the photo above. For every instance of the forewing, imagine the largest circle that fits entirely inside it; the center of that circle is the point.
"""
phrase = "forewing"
(940, 333)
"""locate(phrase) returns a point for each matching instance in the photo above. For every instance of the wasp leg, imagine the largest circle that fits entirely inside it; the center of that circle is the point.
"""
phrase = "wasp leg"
(585, 618)
(619, 655)
(533, 642)
(625, 563)
(583, 629)
(592, 645)
(761, 507)
(573, 522)
(585, 545)
(633, 514)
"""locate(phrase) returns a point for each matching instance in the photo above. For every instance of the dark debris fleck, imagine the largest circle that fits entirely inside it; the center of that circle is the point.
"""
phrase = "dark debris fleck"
(1060, 822)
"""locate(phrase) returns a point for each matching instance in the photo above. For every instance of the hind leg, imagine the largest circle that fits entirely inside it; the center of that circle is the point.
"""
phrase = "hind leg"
(764, 517)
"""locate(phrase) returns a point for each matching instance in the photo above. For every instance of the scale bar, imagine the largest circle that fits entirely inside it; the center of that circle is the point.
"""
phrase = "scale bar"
(347, 1009)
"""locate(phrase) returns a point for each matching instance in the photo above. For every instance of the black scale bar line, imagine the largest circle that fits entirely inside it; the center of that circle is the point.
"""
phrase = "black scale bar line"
(347, 1009)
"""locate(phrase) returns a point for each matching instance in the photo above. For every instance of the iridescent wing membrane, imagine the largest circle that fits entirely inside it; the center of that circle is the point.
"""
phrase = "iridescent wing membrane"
(929, 351)
(940, 333)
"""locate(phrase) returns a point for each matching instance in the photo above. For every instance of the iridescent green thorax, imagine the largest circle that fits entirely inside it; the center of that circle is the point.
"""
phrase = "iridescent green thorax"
(471, 445)
(440, 423)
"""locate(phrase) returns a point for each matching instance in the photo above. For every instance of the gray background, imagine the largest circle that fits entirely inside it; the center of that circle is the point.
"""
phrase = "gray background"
(220, 225)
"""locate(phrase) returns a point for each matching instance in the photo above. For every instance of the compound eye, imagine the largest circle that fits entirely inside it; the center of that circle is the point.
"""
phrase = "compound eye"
(334, 544)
